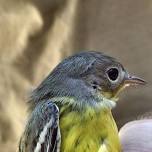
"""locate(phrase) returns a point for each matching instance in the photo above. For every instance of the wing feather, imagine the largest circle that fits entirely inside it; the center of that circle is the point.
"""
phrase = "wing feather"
(42, 133)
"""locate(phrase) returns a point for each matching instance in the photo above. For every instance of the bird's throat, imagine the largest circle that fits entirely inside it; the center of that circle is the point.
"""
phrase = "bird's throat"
(88, 131)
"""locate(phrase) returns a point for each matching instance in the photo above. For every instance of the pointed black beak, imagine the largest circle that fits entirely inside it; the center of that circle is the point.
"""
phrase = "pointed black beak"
(133, 80)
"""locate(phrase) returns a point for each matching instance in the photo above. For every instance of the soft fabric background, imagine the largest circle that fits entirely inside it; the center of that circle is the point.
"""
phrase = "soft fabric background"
(35, 35)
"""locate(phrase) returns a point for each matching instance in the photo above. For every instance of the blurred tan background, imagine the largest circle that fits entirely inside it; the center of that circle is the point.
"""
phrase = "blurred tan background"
(35, 35)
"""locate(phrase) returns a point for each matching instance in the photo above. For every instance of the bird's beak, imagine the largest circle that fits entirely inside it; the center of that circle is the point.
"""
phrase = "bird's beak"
(129, 81)
(133, 80)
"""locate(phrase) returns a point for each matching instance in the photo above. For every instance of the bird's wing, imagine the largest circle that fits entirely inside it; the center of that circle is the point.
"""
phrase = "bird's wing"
(42, 133)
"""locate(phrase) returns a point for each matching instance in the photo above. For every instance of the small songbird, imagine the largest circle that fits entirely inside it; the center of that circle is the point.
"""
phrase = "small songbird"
(70, 111)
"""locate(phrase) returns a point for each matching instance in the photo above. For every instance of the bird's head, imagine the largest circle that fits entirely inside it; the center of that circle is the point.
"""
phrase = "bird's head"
(87, 79)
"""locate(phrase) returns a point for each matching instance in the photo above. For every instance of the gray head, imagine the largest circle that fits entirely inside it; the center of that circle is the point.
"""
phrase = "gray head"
(85, 79)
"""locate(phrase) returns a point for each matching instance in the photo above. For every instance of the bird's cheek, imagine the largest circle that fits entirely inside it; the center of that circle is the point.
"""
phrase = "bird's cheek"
(107, 94)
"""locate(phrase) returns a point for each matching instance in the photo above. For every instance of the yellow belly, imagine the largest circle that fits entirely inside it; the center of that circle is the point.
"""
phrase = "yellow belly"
(89, 132)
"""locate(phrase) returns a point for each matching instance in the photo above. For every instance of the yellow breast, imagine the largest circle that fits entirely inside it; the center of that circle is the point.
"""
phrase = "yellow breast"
(89, 131)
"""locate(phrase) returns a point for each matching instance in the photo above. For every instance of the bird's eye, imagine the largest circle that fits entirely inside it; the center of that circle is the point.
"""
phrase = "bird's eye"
(113, 74)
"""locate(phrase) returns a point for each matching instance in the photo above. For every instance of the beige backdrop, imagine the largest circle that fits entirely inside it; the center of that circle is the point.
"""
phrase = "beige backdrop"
(35, 35)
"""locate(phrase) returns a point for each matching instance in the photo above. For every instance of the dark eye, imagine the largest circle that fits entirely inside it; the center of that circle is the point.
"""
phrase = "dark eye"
(113, 74)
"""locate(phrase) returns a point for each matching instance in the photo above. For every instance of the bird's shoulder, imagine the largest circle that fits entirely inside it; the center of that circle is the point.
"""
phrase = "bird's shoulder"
(42, 130)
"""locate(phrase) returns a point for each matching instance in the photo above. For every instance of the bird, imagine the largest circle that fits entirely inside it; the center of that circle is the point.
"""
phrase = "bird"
(70, 110)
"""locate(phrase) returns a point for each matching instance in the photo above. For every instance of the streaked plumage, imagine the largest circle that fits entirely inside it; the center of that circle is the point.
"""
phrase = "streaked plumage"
(76, 99)
(42, 132)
